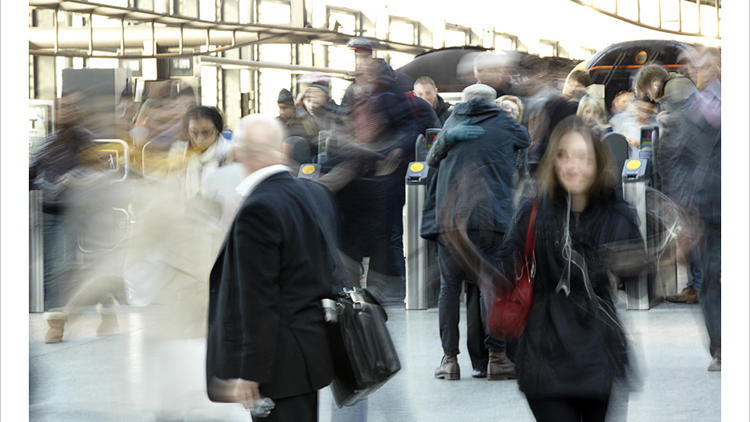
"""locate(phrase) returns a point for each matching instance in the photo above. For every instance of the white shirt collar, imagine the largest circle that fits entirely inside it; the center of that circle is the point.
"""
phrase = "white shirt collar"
(249, 183)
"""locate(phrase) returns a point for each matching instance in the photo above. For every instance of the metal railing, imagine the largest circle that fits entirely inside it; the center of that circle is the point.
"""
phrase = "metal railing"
(617, 13)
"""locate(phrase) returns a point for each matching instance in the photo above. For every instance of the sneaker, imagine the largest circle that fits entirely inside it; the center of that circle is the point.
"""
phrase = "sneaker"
(448, 369)
(479, 373)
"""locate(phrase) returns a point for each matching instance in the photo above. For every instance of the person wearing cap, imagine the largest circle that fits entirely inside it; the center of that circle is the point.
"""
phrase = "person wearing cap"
(363, 57)
(288, 117)
(286, 106)
(474, 156)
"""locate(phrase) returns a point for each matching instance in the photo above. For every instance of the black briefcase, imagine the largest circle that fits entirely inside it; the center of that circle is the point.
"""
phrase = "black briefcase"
(363, 353)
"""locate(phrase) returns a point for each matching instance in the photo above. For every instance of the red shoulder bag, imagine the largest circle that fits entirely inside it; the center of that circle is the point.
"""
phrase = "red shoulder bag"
(510, 311)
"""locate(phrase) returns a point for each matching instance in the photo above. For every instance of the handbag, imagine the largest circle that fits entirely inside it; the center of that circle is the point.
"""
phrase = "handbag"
(510, 311)
(363, 352)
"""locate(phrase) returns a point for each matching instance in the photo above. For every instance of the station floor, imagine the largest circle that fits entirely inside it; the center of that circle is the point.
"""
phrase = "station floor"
(132, 377)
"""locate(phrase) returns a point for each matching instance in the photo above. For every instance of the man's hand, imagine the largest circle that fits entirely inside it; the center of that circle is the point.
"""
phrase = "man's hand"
(246, 392)
(463, 132)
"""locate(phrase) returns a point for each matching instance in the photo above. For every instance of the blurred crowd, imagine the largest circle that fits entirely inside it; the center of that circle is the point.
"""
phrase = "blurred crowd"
(515, 142)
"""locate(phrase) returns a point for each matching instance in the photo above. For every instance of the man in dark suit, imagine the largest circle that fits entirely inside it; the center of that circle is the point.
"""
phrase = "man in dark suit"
(266, 329)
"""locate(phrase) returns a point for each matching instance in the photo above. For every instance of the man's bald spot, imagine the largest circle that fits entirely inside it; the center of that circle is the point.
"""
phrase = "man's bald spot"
(259, 133)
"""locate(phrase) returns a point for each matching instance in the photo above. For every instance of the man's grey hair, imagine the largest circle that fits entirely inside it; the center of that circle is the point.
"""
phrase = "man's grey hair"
(249, 125)
(478, 91)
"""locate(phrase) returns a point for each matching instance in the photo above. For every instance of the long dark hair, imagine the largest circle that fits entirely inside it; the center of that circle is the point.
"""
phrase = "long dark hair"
(604, 180)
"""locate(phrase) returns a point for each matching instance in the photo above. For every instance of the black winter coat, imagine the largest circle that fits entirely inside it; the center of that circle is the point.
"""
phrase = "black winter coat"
(443, 110)
(573, 346)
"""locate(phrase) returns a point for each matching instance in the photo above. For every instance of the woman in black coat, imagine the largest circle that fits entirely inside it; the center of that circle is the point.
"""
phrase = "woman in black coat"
(573, 347)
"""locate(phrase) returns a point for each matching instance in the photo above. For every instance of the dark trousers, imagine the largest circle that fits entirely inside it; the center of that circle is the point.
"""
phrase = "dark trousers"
(476, 335)
(302, 408)
(451, 277)
(366, 230)
(568, 410)
(710, 293)
(695, 267)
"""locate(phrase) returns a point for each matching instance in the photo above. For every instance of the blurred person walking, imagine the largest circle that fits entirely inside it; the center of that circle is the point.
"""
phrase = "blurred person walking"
(367, 173)
(266, 332)
(541, 124)
(57, 157)
(688, 171)
(573, 349)
(576, 84)
(179, 222)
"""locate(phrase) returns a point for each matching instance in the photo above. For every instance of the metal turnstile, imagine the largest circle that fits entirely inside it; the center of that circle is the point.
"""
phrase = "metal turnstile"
(418, 256)
(36, 252)
(638, 181)
(312, 170)
(422, 276)
(636, 176)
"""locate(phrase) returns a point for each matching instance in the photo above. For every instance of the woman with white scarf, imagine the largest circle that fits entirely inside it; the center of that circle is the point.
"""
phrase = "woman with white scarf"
(180, 223)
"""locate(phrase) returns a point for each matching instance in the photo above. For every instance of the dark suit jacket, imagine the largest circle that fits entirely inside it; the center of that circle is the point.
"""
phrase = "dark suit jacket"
(265, 321)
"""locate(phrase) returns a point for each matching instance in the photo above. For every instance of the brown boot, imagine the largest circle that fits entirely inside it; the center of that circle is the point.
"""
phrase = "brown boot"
(56, 323)
(687, 295)
(448, 369)
(500, 367)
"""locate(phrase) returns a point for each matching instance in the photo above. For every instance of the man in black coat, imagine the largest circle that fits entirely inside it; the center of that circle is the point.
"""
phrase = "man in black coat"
(266, 331)
(473, 195)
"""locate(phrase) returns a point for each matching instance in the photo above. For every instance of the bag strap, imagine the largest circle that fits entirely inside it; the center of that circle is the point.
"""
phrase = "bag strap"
(530, 238)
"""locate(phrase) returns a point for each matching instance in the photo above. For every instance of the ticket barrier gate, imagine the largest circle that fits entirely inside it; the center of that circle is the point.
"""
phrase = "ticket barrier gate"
(422, 274)
(636, 176)
(637, 179)
(312, 170)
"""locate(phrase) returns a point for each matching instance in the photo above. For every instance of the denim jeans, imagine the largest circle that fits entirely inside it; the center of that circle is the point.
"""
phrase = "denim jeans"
(451, 277)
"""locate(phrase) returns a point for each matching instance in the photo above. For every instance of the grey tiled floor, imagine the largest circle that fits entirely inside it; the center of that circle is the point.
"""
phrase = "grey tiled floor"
(132, 377)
